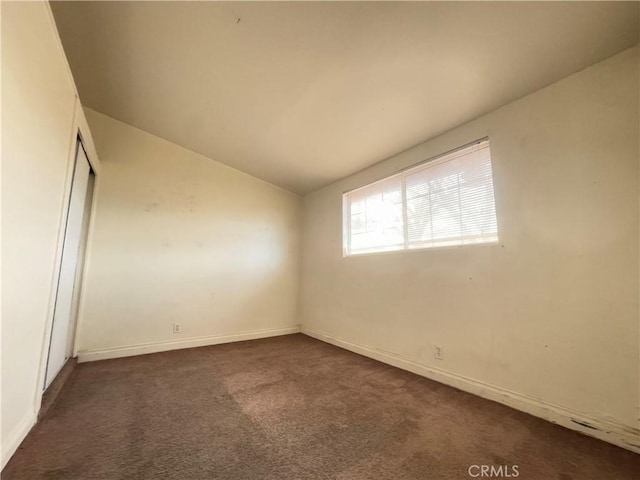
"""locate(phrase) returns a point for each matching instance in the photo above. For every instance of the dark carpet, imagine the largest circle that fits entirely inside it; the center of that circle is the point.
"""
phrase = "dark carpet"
(291, 408)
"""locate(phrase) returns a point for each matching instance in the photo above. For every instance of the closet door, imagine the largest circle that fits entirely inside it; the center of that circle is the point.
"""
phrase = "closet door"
(62, 321)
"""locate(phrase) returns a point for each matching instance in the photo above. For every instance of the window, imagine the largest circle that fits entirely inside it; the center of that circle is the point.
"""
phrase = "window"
(445, 201)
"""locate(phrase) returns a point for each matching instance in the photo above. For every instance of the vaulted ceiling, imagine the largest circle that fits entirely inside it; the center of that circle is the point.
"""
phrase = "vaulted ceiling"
(302, 94)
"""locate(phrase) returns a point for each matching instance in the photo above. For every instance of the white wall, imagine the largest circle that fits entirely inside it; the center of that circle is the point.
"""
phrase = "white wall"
(40, 120)
(547, 320)
(179, 237)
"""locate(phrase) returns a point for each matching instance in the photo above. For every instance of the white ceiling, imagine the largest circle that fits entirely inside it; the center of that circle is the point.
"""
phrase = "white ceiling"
(302, 94)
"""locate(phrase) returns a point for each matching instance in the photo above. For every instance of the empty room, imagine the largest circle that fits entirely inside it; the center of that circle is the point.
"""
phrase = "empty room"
(320, 240)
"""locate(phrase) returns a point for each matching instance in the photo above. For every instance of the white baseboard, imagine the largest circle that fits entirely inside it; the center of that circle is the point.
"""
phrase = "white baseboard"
(155, 347)
(604, 429)
(16, 437)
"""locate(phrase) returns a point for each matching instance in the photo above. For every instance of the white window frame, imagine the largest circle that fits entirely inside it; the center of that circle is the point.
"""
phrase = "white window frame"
(403, 173)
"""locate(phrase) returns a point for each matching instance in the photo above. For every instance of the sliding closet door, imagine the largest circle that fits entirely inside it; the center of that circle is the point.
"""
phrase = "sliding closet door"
(64, 308)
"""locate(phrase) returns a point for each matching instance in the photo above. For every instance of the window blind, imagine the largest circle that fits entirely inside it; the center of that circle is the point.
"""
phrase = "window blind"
(446, 201)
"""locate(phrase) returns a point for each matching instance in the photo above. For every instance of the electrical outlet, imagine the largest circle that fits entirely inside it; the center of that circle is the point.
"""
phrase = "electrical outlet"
(176, 328)
(438, 352)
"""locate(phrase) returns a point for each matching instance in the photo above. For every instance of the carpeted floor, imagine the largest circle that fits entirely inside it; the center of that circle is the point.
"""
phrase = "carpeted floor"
(290, 408)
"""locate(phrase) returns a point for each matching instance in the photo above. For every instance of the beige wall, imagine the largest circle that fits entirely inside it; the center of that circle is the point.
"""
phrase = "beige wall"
(40, 119)
(547, 320)
(181, 238)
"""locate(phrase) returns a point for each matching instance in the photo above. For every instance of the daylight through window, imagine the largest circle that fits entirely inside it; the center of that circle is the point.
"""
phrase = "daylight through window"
(445, 201)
